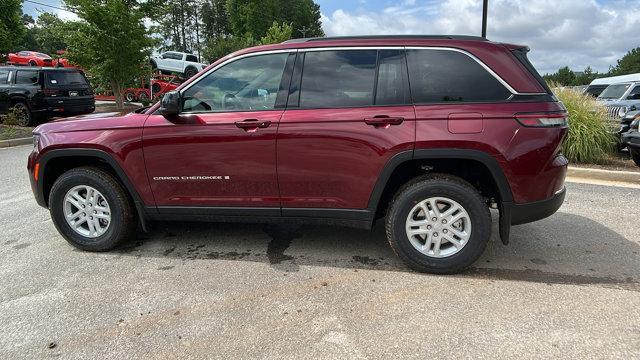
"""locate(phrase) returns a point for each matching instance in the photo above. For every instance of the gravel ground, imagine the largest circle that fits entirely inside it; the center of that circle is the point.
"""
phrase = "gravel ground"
(566, 287)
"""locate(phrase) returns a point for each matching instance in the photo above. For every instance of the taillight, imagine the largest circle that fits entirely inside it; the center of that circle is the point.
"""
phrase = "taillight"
(51, 92)
(542, 119)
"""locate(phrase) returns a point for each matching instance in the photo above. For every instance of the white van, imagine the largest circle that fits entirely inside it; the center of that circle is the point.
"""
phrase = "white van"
(597, 86)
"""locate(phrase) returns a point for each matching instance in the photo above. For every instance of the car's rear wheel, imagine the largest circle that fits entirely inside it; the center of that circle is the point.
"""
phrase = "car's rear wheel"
(156, 88)
(22, 114)
(438, 224)
(91, 210)
(143, 96)
(189, 72)
(635, 155)
(32, 63)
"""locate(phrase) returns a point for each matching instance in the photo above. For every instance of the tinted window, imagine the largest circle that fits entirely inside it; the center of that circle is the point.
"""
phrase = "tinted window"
(26, 77)
(62, 78)
(192, 58)
(635, 93)
(4, 76)
(338, 78)
(251, 83)
(447, 76)
(392, 85)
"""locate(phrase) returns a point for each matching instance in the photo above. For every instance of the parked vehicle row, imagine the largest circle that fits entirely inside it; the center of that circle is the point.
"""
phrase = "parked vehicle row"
(37, 93)
(353, 139)
(157, 86)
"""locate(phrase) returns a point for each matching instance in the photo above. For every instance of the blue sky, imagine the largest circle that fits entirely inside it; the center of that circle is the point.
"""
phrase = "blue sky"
(577, 33)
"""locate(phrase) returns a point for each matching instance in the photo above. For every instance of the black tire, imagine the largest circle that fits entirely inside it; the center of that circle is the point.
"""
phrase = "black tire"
(154, 66)
(144, 96)
(123, 215)
(189, 72)
(130, 96)
(156, 88)
(635, 155)
(32, 63)
(437, 185)
(22, 113)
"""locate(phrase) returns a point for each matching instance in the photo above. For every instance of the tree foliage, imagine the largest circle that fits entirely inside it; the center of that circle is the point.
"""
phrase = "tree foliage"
(12, 28)
(256, 16)
(277, 33)
(110, 42)
(628, 64)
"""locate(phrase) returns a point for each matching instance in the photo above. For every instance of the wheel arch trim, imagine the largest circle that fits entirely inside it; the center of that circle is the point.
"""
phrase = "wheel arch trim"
(88, 153)
(441, 153)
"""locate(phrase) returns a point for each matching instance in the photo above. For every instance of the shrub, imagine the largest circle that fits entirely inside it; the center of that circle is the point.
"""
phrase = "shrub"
(590, 137)
(11, 118)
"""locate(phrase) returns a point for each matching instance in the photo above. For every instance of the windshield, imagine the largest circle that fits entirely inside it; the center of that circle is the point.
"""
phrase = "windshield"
(614, 91)
(62, 78)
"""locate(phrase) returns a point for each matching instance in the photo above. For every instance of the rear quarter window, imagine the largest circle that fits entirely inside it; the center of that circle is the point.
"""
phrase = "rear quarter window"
(192, 58)
(441, 76)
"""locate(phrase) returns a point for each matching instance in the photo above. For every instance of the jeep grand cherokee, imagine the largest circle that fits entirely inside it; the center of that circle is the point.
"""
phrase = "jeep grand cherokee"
(427, 132)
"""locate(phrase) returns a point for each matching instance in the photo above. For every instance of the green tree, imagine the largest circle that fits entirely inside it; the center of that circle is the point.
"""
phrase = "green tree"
(110, 42)
(12, 28)
(277, 33)
(221, 46)
(628, 64)
(215, 19)
(256, 16)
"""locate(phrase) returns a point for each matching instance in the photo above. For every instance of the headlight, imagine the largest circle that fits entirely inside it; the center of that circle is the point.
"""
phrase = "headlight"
(36, 141)
(623, 111)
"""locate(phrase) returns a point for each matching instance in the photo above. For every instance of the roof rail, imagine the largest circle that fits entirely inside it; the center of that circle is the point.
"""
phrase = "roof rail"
(387, 37)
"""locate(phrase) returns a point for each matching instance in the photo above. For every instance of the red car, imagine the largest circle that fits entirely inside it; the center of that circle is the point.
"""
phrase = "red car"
(425, 132)
(160, 84)
(30, 58)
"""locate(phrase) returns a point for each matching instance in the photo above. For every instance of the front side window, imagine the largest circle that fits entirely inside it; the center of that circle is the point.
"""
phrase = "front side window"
(439, 76)
(635, 93)
(26, 77)
(342, 78)
(247, 84)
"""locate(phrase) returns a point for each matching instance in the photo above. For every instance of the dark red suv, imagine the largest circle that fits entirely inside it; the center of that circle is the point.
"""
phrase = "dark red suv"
(427, 132)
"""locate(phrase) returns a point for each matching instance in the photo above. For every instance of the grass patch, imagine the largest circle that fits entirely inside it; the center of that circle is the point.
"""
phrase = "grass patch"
(591, 139)
(14, 132)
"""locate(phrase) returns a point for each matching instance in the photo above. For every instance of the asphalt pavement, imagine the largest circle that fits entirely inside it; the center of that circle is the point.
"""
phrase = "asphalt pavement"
(567, 287)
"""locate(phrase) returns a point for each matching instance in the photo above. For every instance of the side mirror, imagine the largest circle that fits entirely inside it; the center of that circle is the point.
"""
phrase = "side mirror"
(170, 104)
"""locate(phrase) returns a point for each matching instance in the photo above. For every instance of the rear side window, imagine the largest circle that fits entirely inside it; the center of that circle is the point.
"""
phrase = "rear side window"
(438, 76)
(26, 77)
(343, 78)
(65, 78)
(192, 58)
(4, 76)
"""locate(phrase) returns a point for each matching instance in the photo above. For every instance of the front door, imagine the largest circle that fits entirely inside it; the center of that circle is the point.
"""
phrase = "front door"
(220, 151)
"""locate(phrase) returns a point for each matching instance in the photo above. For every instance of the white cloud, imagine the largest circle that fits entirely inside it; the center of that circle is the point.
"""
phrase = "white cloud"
(577, 33)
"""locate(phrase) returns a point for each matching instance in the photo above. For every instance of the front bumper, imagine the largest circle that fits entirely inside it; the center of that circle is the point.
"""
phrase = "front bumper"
(534, 211)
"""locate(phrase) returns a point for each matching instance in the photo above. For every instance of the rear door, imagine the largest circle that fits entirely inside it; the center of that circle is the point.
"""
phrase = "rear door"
(221, 150)
(349, 112)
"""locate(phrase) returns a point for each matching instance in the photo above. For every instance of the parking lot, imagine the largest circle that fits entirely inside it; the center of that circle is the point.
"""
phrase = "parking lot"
(566, 287)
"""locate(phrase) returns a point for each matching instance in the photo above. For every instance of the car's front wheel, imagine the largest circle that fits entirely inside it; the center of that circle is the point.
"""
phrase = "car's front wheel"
(438, 224)
(91, 210)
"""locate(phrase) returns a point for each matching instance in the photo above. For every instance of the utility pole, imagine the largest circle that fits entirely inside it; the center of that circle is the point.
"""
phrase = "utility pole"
(485, 6)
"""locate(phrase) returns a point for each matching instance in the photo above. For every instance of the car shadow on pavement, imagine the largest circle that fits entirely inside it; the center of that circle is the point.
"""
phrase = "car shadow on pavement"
(563, 249)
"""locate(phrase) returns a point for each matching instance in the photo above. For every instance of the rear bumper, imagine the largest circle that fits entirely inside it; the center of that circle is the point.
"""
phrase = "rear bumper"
(534, 211)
